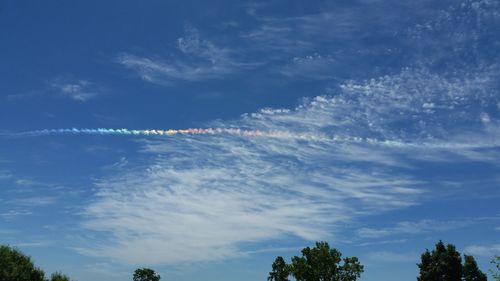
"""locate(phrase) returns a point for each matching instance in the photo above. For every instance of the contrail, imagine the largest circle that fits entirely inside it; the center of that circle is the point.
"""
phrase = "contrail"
(201, 131)
(171, 132)
(317, 137)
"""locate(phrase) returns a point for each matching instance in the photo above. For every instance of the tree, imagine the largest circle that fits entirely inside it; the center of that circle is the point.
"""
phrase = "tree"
(319, 263)
(145, 274)
(470, 271)
(280, 271)
(14, 265)
(496, 262)
(444, 263)
(57, 276)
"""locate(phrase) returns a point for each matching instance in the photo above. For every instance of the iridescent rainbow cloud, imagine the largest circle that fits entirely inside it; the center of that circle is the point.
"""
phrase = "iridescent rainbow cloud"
(170, 132)
(197, 131)
(319, 137)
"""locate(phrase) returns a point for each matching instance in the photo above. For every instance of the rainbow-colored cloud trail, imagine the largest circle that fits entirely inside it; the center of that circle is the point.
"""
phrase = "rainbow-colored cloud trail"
(207, 131)
(171, 132)
(315, 137)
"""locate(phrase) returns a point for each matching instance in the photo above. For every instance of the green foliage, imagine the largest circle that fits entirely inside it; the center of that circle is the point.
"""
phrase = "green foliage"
(280, 271)
(444, 263)
(14, 265)
(319, 263)
(496, 262)
(470, 271)
(145, 274)
(57, 276)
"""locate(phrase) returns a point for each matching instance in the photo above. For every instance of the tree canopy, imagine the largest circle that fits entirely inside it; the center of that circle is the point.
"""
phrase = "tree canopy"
(280, 271)
(496, 262)
(470, 271)
(14, 265)
(146, 274)
(444, 263)
(319, 263)
(57, 276)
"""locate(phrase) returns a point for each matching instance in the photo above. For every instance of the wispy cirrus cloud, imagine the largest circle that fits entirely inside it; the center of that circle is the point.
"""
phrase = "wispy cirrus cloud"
(76, 89)
(458, 35)
(386, 256)
(65, 86)
(33, 201)
(422, 226)
(483, 250)
(344, 29)
(199, 59)
(5, 174)
(12, 214)
(199, 198)
(313, 66)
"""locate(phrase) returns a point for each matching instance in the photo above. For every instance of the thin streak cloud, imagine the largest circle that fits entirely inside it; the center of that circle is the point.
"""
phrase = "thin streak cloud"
(199, 59)
(199, 198)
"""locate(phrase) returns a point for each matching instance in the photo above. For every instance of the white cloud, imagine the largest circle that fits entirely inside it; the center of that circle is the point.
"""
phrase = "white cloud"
(421, 226)
(11, 214)
(34, 201)
(411, 228)
(483, 250)
(333, 26)
(199, 197)
(199, 60)
(33, 244)
(386, 256)
(315, 66)
(76, 89)
(26, 182)
(106, 269)
(5, 174)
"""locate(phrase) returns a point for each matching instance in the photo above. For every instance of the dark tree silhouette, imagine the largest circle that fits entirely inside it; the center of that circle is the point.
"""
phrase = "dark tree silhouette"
(280, 271)
(496, 262)
(145, 274)
(14, 265)
(444, 263)
(57, 276)
(470, 271)
(319, 263)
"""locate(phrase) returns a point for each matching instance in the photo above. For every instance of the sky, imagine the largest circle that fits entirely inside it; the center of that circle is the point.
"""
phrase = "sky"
(373, 125)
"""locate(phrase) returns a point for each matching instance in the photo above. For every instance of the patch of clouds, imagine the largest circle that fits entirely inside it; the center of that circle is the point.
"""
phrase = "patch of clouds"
(26, 182)
(33, 201)
(380, 242)
(12, 214)
(118, 165)
(5, 174)
(33, 244)
(271, 36)
(198, 198)
(462, 36)
(421, 226)
(386, 256)
(76, 89)
(106, 269)
(199, 60)
(427, 106)
(337, 26)
(317, 67)
(483, 250)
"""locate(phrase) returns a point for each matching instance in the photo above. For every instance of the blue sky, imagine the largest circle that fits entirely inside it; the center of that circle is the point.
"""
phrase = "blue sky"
(380, 123)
